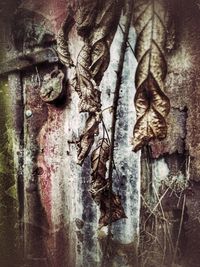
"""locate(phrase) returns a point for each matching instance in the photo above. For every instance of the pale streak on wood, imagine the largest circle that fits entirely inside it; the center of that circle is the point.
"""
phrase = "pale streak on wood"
(16, 94)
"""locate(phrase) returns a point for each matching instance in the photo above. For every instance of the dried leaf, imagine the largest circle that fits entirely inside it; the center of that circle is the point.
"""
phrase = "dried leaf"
(87, 138)
(98, 164)
(110, 203)
(100, 57)
(113, 213)
(86, 86)
(85, 17)
(62, 41)
(152, 105)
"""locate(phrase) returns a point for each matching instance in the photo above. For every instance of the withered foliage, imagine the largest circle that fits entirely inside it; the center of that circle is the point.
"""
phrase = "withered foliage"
(152, 105)
(97, 23)
(110, 203)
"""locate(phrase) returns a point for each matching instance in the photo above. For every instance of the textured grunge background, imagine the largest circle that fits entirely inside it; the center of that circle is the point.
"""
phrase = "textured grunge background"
(99, 133)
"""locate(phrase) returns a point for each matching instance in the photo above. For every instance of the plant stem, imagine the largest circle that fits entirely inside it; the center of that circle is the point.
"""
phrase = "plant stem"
(129, 5)
(129, 8)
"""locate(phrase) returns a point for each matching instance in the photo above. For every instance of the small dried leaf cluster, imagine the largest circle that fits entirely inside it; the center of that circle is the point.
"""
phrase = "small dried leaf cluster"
(97, 23)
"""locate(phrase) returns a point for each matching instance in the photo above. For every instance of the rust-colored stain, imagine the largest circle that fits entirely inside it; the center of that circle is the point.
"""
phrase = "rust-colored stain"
(47, 146)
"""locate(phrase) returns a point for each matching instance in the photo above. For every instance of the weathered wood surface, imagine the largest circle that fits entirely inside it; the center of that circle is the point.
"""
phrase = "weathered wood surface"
(58, 188)
(52, 218)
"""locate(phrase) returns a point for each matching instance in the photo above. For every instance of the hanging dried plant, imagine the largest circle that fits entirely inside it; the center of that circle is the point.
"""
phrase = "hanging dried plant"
(97, 23)
(98, 29)
(110, 204)
(152, 105)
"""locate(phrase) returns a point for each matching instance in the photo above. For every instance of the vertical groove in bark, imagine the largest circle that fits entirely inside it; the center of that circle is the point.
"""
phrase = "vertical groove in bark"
(129, 6)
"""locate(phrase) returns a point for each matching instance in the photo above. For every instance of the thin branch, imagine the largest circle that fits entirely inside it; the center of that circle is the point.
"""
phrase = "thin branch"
(165, 220)
(130, 46)
(118, 86)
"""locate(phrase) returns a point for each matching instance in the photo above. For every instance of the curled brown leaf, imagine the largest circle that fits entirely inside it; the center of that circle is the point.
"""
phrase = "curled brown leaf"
(110, 203)
(63, 42)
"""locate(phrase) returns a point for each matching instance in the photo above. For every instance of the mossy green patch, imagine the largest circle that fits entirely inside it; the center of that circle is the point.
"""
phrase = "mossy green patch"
(8, 188)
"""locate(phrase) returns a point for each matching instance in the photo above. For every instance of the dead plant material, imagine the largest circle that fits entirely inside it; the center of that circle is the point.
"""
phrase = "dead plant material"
(99, 189)
(152, 105)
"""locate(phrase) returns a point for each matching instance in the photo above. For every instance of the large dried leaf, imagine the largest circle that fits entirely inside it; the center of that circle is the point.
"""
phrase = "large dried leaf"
(100, 57)
(99, 158)
(153, 61)
(110, 203)
(149, 94)
(151, 125)
(152, 105)
(98, 165)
